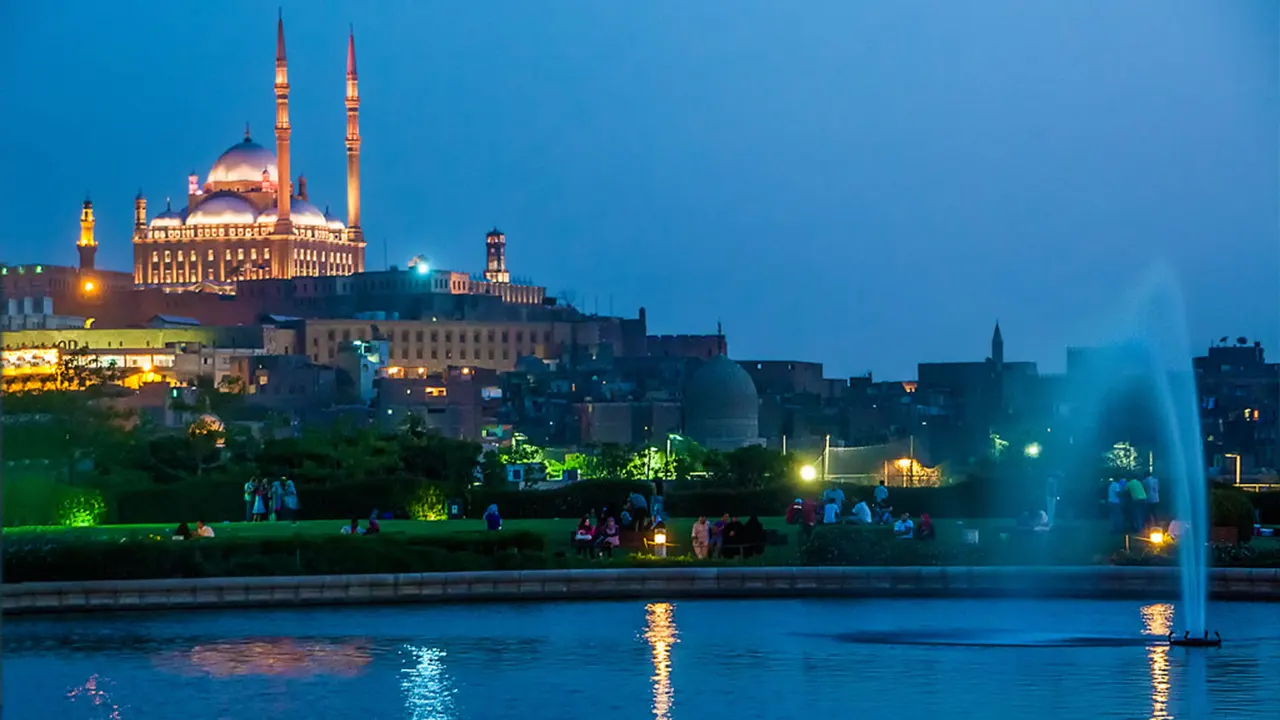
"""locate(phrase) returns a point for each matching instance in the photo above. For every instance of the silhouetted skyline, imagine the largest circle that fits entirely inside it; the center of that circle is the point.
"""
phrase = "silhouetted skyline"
(869, 185)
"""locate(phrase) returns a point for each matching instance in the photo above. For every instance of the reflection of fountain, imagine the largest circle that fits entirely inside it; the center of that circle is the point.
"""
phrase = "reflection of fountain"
(268, 657)
(1156, 621)
(660, 633)
(93, 691)
(427, 687)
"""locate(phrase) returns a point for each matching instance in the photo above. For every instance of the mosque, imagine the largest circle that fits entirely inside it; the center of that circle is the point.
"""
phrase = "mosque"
(248, 220)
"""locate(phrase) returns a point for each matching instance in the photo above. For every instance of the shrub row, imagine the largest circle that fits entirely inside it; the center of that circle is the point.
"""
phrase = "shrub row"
(877, 546)
(48, 557)
(570, 501)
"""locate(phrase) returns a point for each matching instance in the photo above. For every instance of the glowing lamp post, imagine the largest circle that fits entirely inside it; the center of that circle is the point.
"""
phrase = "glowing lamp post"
(660, 543)
(1156, 537)
(808, 473)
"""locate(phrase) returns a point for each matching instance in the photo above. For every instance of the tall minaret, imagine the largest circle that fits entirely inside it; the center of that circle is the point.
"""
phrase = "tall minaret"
(87, 246)
(139, 210)
(353, 139)
(997, 348)
(284, 184)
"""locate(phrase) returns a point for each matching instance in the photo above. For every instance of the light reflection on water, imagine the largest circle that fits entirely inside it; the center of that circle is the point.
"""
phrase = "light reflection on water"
(267, 657)
(427, 688)
(660, 632)
(1157, 620)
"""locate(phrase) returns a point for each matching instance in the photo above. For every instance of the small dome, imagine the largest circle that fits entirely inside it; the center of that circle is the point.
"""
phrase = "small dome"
(243, 162)
(721, 406)
(223, 208)
(301, 212)
(169, 218)
(335, 223)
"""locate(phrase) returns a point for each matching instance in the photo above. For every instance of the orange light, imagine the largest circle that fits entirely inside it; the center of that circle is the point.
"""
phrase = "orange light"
(89, 286)
(903, 463)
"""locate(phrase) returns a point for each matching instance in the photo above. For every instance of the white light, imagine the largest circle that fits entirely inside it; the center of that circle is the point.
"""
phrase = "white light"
(1032, 450)
(422, 268)
(808, 473)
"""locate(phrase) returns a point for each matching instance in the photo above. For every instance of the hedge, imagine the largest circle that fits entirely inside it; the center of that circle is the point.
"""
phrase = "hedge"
(876, 545)
(570, 501)
(40, 500)
(49, 556)
(219, 500)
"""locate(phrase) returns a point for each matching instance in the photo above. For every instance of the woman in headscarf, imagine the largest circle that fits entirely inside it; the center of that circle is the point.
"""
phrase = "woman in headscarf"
(699, 537)
(608, 537)
(259, 504)
(926, 531)
(277, 499)
(291, 501)
(753, 537)
(492, 519)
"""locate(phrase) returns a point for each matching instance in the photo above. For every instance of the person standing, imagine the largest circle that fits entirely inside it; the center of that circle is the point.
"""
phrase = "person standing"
(882, 494)
(291, 501)
(1114, 489)
(1051, 490)
(699, 537)
(250, 489)
(1151, 484)
(1137, 496)
(276, 499)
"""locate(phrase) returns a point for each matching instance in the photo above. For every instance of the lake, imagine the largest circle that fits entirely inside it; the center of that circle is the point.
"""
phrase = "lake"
(621, 660)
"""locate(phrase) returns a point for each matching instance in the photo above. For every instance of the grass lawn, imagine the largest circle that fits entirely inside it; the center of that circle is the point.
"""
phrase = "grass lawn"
(557, 532)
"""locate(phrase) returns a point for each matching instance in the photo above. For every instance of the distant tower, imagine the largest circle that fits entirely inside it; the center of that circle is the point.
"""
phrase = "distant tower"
(284, 226)
(139, 210)
(353, 139)
(495, 246)
(997, 348)
(87, 246)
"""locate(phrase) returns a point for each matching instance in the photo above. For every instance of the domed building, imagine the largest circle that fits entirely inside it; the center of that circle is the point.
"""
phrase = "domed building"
(247, 220)
(721, 406)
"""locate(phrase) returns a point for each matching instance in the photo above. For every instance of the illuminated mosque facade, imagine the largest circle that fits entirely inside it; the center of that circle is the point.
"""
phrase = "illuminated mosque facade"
(247, 220)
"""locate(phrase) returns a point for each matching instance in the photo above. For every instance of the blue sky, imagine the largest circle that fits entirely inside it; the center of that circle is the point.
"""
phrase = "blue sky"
(865, 184)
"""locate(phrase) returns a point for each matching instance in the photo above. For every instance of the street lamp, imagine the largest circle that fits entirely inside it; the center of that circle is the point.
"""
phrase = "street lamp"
(660, 542)
(1236, 456)
(1032, 450)
(808, 473)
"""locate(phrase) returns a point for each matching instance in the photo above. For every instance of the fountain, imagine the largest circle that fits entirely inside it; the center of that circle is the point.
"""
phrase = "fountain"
(1152, 354)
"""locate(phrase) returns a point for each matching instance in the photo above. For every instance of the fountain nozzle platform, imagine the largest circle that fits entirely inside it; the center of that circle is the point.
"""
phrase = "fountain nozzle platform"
(1187, 641)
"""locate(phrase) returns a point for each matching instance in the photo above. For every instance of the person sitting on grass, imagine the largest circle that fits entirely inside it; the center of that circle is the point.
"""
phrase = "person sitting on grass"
(926, 531)
(861, 514)
(203, 530)
(182, 533)
(754, 537)
(733, 539)
(1041, 522)
(374, 527)
(831, 512)
(492, 520)
(607, 537)
(354, 528)
(904, 529)
(583, 536)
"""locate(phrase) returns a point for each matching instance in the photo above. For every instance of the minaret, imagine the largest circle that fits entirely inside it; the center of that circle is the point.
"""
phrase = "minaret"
(997, 349)
(139, 210)
(353, 139)
(495, 250)
(284, 186)
(86, 246)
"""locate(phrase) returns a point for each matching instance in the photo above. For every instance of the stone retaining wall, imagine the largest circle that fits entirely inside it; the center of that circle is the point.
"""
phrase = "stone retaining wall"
(656, 584)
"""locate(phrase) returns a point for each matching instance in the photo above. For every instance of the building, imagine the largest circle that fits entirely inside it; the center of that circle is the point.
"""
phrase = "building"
(248, 219)
(285, 383)
(1238, 393)
(721, 406)
(450, 403)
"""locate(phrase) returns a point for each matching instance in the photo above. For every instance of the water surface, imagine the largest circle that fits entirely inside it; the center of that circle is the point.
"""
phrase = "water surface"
(695, 659)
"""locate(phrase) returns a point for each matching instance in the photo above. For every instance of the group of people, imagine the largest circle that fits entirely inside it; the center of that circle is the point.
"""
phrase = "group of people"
(373, 528)
(270, 500)
(728, 537)
(877, 512)
(596, 539)
(184, 531)
(1133, 502)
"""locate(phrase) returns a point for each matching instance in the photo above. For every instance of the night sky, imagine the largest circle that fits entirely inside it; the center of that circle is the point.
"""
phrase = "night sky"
(868, 184)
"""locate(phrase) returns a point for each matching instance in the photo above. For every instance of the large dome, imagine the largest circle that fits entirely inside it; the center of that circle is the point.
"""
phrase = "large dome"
(223, 208)
(243, 162)
(721, 406)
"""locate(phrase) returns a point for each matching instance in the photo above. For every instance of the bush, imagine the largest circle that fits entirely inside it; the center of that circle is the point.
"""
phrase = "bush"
(1230, 507)
(571, 501)
(40, 500)
(47, 556)
(427, 503)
